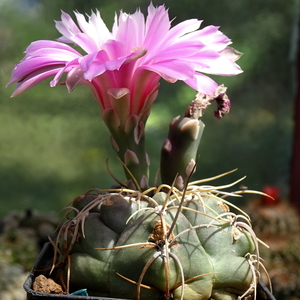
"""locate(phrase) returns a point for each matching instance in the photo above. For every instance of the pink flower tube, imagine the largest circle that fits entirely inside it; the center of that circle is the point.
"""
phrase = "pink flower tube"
(123, 66)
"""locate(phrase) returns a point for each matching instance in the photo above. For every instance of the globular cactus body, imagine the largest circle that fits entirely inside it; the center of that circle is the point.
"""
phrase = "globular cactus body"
(169, 246)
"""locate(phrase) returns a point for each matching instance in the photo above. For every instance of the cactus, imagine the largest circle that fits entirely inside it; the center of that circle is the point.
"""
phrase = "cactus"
(162, 243)
(175, 241)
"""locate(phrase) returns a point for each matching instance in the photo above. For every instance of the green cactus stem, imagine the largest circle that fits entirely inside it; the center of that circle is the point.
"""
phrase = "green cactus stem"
(179, 150)
(127, 244)
(128, 135)
(178, 154)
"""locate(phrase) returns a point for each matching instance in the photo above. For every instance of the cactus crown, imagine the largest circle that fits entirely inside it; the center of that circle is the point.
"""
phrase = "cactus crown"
(162, 242)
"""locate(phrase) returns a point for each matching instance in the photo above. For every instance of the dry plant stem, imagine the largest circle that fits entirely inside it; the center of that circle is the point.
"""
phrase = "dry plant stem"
(68, 274)
(191, 228)
(181, 202)
(131, 175)
(164, 251)
(253, 235)
(255, 279)
(212, 178)
(181, 273)
(168, 194)
(215, 189)
(133, 282)
(150, 261)
(114, 177)
(148, 244)
(177, 215)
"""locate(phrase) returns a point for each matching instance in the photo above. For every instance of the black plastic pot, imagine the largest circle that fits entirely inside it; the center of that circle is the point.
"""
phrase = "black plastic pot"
(45, 260)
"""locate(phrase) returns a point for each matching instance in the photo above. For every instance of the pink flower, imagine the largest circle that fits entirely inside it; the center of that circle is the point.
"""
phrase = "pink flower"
(123, 66)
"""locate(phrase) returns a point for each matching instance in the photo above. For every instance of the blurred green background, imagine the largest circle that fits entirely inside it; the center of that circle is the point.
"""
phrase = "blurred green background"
(53, 145)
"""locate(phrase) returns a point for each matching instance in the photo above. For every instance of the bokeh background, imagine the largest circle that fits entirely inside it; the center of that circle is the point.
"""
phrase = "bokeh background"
(53, 145)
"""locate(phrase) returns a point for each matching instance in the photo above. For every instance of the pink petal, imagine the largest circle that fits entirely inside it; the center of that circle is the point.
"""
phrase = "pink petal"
(126, 32)
(223, 66)
(85, 42)
(183, 28)
(157, 26)
(212, 37)
(94, 30)
(72, 34)
(37, 45)
(139, 25)
(55, 54)
(97, 63)
(202, 84)
(96, 68)
(203, 59)
(83, 24)
(73, 78)
(68, 67)
(67, 26)
(100, 26)
(114, 49)
(28, 66)
(172, 70)
(34, 78)
(180, 50)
